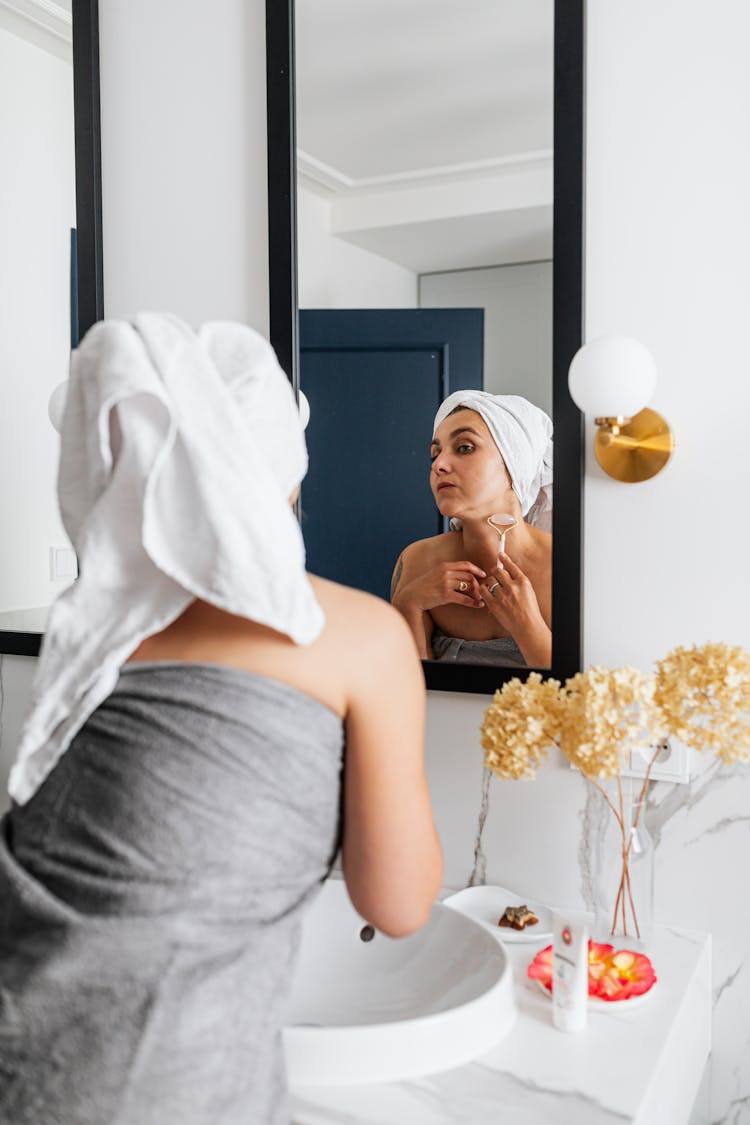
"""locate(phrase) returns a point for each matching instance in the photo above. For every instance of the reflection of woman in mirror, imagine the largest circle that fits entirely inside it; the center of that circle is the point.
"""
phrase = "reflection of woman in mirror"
(199, 744)
(463, 596)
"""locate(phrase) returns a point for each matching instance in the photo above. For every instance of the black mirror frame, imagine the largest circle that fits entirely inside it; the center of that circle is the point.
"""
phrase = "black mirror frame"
(567, 312)
(86, 115)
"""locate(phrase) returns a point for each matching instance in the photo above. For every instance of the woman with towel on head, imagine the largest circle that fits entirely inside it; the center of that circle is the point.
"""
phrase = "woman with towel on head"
(481, 593)
(199, 743)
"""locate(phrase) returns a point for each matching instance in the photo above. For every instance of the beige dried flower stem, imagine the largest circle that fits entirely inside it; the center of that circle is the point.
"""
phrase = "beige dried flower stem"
(625, 878)
(605, 795)
(620, 816)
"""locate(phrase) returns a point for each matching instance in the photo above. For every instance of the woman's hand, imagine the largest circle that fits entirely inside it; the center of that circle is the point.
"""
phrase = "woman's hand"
(510, 598)
(448, 583)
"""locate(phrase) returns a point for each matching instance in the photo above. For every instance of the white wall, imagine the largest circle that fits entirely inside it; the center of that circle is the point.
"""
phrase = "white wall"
(668, 179)
(668, 244)
(517, 303)
(333, 274)
(183, 161)
(37, 210)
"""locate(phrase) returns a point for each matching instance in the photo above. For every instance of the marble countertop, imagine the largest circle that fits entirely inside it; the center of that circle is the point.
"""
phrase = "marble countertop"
(641, 1065)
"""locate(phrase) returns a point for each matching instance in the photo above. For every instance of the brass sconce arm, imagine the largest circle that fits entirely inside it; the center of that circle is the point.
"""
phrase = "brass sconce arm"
(633, 449)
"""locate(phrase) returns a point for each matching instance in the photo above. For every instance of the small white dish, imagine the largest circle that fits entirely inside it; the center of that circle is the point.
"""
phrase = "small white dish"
(608, 1005)
(487, 904)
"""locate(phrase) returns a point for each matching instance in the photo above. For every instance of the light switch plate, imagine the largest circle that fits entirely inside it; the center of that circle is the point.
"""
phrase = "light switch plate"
(673, 764)
(63, 564)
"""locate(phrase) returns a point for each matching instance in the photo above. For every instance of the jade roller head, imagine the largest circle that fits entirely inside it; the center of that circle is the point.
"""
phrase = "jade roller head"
(502, 524)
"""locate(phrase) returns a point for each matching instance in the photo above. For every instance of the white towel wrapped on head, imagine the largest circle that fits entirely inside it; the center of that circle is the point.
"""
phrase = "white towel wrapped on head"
(523, 434)
(179, 451)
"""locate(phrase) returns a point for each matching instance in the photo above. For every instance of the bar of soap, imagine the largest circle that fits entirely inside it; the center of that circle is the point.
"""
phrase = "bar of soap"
(518, 917)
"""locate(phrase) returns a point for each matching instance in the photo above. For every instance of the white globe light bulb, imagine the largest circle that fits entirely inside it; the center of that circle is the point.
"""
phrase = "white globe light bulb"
(304, 409)
(56, 405)
(612, 376)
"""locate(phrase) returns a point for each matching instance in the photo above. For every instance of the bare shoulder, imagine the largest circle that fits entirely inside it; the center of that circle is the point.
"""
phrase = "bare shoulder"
(368, 647)
(355, 614)
(423, 553)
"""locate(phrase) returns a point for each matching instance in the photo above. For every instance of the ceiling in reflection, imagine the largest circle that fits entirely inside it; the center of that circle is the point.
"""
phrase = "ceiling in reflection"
(443, 82)
(427, 124)
(45, 23)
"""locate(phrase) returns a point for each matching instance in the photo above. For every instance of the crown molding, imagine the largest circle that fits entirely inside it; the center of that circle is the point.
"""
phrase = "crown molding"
(317, 174)
(48, 15)
(334, 182)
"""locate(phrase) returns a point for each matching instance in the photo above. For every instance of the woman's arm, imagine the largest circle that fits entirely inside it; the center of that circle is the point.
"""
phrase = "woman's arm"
(416, 587)
(391, 855)
(419, 620)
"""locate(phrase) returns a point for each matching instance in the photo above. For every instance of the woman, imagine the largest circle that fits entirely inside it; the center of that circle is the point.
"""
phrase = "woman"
(178, 787)
(470, 594)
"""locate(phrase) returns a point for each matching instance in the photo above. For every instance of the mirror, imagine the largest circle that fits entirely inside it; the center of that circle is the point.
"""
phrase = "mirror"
(51, 282)
(411, 190)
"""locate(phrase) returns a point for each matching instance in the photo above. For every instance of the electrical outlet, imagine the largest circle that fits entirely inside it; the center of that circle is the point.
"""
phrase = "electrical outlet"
(672, 764)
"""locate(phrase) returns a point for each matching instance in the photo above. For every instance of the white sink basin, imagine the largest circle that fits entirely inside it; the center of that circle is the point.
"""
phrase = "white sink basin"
(392, 1008)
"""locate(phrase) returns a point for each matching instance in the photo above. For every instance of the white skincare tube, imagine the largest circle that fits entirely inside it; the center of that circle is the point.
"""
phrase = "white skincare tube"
(570, 973)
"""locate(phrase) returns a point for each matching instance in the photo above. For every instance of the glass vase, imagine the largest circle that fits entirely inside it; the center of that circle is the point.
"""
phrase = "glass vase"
(623, 865)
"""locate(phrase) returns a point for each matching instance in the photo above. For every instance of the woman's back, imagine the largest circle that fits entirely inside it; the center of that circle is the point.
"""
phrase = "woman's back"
(324, 669)
(172, 850)
(167, 859)
(363, 667)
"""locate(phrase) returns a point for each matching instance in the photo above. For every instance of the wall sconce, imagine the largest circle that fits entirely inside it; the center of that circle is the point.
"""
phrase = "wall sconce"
(612, 378)
(304, 408)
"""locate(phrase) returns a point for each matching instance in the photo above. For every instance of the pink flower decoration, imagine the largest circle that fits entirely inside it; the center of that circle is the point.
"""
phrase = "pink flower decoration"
(613, 975)
(541, 967)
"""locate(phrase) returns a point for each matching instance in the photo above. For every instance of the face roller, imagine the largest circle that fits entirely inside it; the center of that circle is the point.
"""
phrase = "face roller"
(502, 525)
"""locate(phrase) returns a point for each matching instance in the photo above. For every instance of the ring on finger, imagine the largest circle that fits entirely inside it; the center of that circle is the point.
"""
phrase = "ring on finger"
(463, 586)
(491, 589)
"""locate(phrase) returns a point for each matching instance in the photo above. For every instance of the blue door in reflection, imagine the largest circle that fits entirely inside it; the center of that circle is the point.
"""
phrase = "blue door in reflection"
(374, 379)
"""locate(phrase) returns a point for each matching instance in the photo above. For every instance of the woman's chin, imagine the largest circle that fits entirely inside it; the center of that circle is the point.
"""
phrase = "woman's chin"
(447, 508)
(454, 508)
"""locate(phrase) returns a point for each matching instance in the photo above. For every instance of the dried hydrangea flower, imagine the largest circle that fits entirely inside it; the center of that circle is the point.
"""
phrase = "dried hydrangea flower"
(704, 694)
(520, 725)
(608, 715)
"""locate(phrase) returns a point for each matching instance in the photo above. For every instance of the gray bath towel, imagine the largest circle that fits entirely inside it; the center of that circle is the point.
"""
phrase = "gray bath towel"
(500, 652)
(151, 895)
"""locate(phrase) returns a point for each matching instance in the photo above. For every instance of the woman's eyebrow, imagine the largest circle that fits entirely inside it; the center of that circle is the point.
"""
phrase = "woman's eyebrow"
(465, 430)
(455, 433)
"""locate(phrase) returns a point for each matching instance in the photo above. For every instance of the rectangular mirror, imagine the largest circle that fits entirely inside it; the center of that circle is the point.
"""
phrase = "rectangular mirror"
(425, 222)
(51, 278)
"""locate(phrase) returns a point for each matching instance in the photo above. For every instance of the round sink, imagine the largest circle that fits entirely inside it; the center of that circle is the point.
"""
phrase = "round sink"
(368, 1008)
